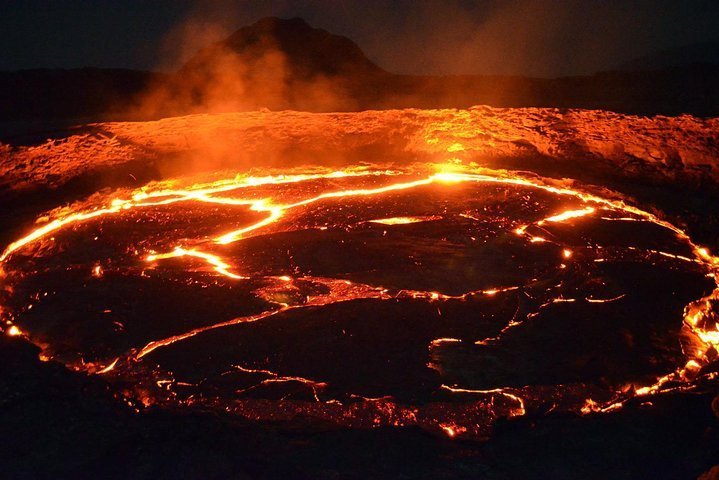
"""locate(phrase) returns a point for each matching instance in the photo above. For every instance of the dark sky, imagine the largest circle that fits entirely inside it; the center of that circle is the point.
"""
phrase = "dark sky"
(531, 37)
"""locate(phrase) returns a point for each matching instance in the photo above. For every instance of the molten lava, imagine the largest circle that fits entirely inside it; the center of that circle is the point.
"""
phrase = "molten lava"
(439, 296)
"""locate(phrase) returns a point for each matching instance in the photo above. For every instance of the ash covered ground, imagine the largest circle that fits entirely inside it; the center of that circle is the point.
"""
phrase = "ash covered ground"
(492, 293)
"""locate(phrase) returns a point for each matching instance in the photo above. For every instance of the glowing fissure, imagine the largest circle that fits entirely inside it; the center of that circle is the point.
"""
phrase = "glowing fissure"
(567, 215)
(200, 192)
(520, 410)
(217, 263)
(697, 319)
(403, 220)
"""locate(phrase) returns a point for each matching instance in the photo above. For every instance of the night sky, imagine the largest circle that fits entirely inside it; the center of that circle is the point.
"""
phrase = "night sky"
(528, 37)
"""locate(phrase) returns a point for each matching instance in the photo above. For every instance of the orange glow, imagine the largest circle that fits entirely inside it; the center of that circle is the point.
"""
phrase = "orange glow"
(109, 367)
(404, 220)
(205, 193)
(215, 261)
(440, 341)
(518, 411)
(13, 331)
(568, 214)
(449, 430)
(277, 209)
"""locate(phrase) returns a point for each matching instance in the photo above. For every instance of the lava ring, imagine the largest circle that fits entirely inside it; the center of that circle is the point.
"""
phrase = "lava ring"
(432, 296)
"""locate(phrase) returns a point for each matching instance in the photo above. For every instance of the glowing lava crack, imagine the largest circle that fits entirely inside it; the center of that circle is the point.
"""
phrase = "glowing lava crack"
(438, 296)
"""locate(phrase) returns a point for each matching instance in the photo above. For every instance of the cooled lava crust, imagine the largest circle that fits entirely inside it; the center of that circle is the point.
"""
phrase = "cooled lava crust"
(445, 296)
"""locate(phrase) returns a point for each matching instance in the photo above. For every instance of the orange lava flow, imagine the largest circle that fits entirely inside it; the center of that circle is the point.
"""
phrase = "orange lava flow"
(217, 263)
(697, 315)
(403, 220)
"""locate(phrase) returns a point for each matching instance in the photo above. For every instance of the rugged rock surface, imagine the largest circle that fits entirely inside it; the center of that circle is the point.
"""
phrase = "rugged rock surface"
(658, 149)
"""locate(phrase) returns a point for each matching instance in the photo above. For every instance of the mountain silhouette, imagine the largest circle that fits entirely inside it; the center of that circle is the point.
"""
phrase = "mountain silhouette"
(274, 63)
(308, 51)
(287, 64)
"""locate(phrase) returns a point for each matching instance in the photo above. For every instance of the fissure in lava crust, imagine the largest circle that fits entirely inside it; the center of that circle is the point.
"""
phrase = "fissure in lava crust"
(444, 296)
